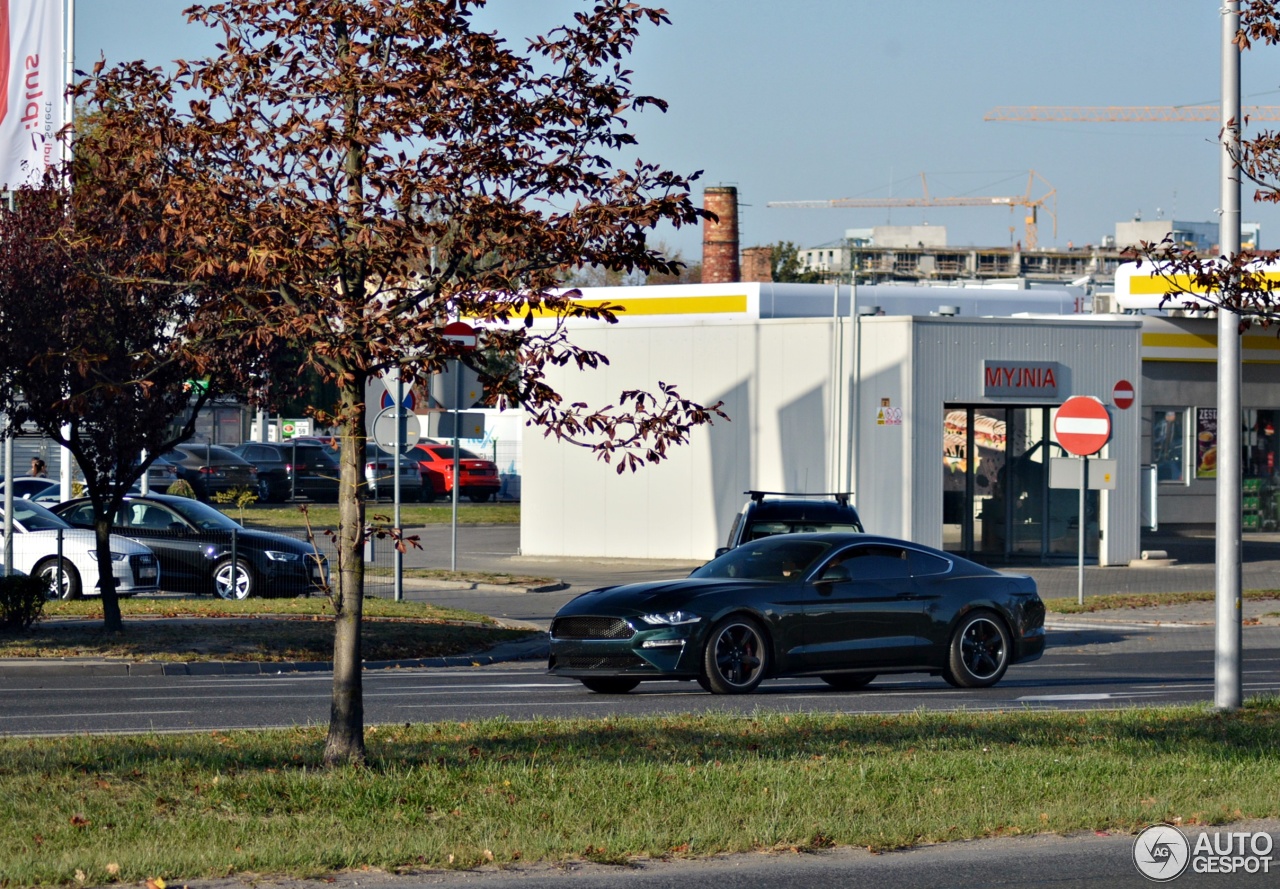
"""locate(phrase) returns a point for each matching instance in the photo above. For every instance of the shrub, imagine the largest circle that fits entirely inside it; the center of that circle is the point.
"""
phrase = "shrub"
(241, 497)
(182, 488)
(22, 601)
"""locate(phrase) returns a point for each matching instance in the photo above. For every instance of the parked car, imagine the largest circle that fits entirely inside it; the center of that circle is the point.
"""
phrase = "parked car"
(212, 469)
(291, 469)
(35, 551)
(842, 607)
(162, 473)
(193, 542)
(379, 474)
(37, 488)
(767, 513)
(477, 477)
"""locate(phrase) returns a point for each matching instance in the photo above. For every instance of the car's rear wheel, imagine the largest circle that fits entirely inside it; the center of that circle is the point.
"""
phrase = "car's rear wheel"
(264, 491)
(428, 493)
(736, 656)
(848, 681)
(233, 581)
(482, 497)
(979, 652)
(69, 587)
(610, 685)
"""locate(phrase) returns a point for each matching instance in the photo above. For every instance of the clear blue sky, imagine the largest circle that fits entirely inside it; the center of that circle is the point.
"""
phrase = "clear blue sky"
(855, 98)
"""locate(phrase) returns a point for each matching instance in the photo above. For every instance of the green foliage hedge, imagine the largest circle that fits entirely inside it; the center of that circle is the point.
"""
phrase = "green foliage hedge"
(22, 601)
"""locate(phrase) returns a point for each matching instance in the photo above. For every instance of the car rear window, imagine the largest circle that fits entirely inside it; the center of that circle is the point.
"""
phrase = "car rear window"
(759, 530)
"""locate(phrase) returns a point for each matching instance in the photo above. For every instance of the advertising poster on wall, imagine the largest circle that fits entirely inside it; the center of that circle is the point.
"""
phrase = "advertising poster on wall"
(1167, 445)
(1206, 442)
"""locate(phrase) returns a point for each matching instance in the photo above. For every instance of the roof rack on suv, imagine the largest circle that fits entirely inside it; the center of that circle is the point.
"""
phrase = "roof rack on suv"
(841, 497)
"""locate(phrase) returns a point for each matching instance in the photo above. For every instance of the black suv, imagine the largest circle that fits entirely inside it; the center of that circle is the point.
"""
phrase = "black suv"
(291, 469)
(772, 512)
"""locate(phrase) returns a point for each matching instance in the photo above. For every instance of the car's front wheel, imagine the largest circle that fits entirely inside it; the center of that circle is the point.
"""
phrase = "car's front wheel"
(610, 685)
(979, 652)
(482, 497)
(736, 656)
(848, 681)
(66, 586)
(233, 581)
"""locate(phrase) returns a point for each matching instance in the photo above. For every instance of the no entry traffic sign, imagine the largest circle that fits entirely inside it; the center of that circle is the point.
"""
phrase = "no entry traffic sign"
(1082, 425)
(460, 332)
(1122, 395)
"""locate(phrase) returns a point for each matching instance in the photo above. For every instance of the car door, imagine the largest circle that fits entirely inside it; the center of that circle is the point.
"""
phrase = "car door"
(873, 618)
(177, 545)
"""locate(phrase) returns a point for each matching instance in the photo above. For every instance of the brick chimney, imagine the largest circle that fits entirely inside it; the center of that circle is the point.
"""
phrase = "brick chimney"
(720, 239)
(757, 264)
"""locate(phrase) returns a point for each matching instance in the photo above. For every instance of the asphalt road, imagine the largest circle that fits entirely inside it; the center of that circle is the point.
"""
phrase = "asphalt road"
(1083, 669)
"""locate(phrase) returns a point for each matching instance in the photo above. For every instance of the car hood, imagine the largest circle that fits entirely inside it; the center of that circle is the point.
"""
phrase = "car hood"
(658, 596)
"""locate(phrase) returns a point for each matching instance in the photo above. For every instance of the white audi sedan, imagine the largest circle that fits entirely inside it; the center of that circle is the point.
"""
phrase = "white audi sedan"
(35, 551)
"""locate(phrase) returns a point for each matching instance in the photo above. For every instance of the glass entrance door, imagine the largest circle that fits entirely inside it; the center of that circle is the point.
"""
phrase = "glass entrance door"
(997, 505)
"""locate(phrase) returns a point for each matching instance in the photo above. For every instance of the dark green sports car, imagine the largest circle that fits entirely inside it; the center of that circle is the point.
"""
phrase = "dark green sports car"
(843, 607)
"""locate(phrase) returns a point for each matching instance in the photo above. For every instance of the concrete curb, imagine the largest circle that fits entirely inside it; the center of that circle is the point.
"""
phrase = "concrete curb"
(536, 648)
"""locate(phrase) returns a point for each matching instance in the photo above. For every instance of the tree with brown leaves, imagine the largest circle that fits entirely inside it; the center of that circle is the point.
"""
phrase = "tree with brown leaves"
(374, 169)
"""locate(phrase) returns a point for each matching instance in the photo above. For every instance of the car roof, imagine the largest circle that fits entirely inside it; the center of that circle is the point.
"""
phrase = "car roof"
(802, 510)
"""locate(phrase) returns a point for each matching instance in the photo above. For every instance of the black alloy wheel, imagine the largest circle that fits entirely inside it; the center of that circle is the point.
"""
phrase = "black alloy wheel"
(979, 652)
(736, 656)
(69, 587)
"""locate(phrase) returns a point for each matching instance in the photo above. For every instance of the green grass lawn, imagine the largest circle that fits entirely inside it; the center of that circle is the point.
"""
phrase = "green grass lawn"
(94, 810)
(1112, 601)
(271, 630)
(412, 515)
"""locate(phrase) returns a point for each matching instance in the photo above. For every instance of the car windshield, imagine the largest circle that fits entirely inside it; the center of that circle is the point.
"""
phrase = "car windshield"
(35, 517)
(773, 558)
(204, 517)
(769, 528)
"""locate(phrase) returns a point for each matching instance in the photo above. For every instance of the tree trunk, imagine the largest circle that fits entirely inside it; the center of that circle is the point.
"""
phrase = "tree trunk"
(345, 743)
(112, 622)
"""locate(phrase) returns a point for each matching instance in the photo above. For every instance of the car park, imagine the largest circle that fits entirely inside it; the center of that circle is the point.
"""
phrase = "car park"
(767, 513)
(36, 551)
(292, 469)
(477, 477)
(202, 550)
(212, 469)
(841, 607)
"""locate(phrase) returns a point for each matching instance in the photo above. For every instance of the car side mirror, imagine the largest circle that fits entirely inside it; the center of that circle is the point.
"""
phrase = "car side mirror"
(836, 574)
(721, 550)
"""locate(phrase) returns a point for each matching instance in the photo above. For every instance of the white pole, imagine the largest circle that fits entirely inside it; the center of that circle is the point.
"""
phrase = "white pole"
(1228, 691)
(69, 66)
(400, 436)
(1084, 486)
(8, 498)
(457, 421)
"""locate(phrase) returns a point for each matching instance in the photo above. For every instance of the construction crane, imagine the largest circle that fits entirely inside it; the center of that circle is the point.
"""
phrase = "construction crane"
(1032, 204)
(1125, 113)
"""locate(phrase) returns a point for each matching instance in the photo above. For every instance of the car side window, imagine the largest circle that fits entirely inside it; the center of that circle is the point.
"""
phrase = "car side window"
(867, 563)
(927, 564)
(149, 516)
(81, 516)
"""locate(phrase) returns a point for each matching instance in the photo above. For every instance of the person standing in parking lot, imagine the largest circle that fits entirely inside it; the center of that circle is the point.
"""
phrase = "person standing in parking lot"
(38, 468)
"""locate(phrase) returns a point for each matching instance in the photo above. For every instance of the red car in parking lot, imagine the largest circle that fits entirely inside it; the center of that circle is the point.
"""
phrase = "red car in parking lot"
(477, 477)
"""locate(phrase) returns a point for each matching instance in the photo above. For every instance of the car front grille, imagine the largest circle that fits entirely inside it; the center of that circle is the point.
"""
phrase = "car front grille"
(591, 628)
(602, 662)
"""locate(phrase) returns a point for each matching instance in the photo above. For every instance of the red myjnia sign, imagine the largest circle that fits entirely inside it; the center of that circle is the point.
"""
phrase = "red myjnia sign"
(1082, 425)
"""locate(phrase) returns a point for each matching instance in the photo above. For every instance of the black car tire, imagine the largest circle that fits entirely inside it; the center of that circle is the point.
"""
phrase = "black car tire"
(71, 586)
(264, 491)
(736, 656)
(243, 585)
(482, 497)
(427, 494)
(979, 652)
(848, 681)
(610, 685)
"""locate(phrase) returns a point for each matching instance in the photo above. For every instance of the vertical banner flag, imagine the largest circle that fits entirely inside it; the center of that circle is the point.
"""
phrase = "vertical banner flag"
(32, 84)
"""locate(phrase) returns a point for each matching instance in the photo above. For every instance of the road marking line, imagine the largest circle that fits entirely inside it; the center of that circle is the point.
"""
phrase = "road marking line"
(87, 715)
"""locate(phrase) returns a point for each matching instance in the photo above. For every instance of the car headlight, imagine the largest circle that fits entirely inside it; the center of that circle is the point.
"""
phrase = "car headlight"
(670, 619)
(115, 557)
(277, 556)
